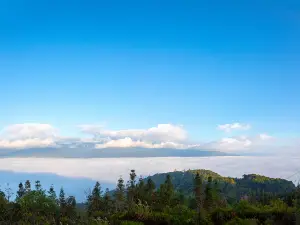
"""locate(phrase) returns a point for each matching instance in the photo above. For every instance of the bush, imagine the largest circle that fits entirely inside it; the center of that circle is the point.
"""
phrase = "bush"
(181, 215)
(131, 223)
(239, 221)
(222, 215)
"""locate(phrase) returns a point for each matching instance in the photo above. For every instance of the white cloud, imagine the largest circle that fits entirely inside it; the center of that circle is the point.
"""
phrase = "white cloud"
(231, 144)
(128, 142)
(265, 137)
(242, 143)
(27, 143)
(160, 133)
(27, 135)
(28, 130)
(234, 143)
(233, 126)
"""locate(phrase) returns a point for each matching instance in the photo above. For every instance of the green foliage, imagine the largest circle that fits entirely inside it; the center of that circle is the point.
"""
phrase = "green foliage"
(239, 221)
(95, 201)
(35, 207)
(119, 195)
(166, 192)
(131, 223)
(52, 193)
(193, 197)
(62, 198)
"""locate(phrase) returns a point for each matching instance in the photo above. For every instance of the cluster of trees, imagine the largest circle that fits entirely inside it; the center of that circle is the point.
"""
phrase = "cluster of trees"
(152, 202)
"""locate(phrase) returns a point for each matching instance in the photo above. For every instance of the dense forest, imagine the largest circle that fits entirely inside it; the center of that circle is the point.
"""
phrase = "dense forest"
(190, 197)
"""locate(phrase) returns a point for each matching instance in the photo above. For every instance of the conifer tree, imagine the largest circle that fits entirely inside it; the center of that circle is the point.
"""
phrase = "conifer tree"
(150, 191)
(150, 187)
(297, 197)
(21, 191)
(70, 208)
(107, 200)
(166, 192)
(218, 199)
(208, 201)
(62, 198)
(198, 191)
(131, 187)
(120, 194)
(38, 186)
(27, 186)
(52, 193)
(141, 190)
(95, 199)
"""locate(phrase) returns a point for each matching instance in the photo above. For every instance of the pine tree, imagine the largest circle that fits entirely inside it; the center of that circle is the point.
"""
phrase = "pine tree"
(62, 198)
(21, 191)
(208, 201)
(95, 199)
(107, 200)
(166, 192)
(38, 186)
(141, 190)
(120, 194)
(27, 186)
(131, 187)
(52, 193)
(198, 191)
(297, 197)
(150, 188)
(218, 199)
(70, 208)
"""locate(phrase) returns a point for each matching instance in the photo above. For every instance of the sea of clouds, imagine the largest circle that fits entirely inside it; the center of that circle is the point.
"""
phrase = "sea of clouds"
(108, 170)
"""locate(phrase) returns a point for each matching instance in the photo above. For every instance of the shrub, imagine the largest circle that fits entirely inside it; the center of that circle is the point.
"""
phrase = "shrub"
(131, 223)
(239, 221)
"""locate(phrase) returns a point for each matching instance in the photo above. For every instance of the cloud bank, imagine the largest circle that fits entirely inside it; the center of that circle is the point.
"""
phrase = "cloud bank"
(109, 170)
(34, 135)
(28, 135)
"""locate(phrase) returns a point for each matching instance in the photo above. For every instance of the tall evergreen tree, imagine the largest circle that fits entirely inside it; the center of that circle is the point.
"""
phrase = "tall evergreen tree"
(150, 191)
(62, 198)
(95, 199)
(166, 192)
(150, 188)
(131, 187)
(208, 201)
(27, 186)
(107, 202)
(141, 190)
(70, 208)
(21, 191)
(38, 186)
(52, 193)
(120, 195)
(198, 191)
(297, 197)
(218, 199)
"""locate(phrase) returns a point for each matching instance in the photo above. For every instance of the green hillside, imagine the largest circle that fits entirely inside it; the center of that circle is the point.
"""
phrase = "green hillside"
(232, 189)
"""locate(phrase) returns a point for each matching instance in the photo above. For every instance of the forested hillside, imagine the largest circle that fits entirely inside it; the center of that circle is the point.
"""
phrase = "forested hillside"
(190, 197)
(233, 189)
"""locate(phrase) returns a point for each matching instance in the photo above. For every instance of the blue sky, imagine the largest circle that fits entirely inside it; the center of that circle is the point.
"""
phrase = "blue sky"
(136, 64)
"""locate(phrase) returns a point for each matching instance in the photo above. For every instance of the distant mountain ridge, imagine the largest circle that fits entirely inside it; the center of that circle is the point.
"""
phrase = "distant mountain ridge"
(77, 152)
